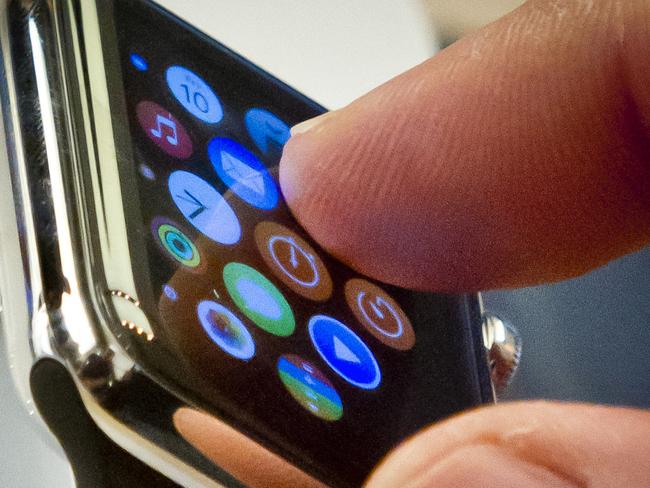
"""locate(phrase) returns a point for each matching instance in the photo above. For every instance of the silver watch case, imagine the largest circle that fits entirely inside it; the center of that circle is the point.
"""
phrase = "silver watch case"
(61, 296)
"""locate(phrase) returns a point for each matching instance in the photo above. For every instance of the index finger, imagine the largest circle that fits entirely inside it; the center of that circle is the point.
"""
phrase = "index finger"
(518, 155)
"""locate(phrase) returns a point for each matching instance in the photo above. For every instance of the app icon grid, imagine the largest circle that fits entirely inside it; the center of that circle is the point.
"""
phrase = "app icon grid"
(255, 296)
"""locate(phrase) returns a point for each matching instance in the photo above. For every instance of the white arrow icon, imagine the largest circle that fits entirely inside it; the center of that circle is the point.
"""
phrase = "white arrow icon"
(204, 207)
(242, 173)
(343, 352)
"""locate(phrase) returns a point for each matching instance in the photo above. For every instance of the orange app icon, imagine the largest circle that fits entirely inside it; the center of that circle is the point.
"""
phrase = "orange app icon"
(293, 260)
(379, 314)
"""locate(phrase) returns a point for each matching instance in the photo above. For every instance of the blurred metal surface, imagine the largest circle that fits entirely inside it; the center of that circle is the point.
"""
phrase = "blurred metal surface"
(503, 343)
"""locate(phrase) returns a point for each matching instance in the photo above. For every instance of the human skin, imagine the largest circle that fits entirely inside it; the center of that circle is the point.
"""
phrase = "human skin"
(519, 155)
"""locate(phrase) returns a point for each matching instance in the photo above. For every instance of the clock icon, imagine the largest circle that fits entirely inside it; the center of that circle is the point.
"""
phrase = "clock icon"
(293, 260)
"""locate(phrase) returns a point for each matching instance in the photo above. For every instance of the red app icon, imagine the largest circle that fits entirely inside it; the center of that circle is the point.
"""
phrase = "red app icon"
(163, 129)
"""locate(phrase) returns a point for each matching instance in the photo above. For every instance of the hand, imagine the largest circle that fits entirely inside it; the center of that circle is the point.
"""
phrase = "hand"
(519, 155)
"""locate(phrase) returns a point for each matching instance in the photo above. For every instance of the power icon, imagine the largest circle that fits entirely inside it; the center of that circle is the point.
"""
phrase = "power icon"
(293, 260)
(380, 314)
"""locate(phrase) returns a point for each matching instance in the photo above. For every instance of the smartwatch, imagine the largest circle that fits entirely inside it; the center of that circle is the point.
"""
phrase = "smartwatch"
(173, 321)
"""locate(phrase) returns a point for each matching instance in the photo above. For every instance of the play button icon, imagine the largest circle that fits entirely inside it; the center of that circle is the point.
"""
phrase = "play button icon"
(344, 352)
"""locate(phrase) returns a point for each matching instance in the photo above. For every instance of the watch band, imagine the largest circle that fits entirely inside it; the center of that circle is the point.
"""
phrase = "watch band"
(96, 461)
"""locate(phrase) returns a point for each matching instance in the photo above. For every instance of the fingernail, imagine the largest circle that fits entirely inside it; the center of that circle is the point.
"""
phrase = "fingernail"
(310, 124)
(477, 467)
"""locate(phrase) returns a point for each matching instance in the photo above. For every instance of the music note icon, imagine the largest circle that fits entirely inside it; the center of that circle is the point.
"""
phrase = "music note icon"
(161, 123)
(164, 129)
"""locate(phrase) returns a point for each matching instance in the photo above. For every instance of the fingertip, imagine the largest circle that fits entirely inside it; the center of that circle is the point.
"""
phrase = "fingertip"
(496, 164)
(292, 167)
(311, 125)
(478, 466)
(240, 456)
(555, 444)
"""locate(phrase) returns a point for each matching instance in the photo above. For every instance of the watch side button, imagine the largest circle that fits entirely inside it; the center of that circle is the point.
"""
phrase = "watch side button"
(503, 343)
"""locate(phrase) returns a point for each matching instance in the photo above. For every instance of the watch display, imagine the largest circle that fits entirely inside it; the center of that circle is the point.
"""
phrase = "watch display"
(252, 320)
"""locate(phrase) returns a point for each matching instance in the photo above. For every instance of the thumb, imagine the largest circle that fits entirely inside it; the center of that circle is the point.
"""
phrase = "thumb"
(526, 445)
(518, 155)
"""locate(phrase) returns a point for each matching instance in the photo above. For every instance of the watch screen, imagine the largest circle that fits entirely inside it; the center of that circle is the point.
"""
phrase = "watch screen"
(250, 319)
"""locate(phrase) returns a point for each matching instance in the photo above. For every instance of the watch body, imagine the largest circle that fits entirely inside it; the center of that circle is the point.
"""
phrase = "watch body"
(129, 134)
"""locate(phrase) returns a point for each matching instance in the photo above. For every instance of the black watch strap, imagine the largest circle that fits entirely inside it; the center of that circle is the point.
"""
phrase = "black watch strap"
(97, 462)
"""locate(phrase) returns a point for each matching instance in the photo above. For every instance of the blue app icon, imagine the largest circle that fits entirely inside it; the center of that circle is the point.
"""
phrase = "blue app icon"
(194, 94)
(266, 129)
(204, 207)
(246, 176)
(344, 352)
(139, 62)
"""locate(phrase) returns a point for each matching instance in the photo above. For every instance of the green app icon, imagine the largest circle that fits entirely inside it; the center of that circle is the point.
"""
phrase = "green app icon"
(259, 299)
